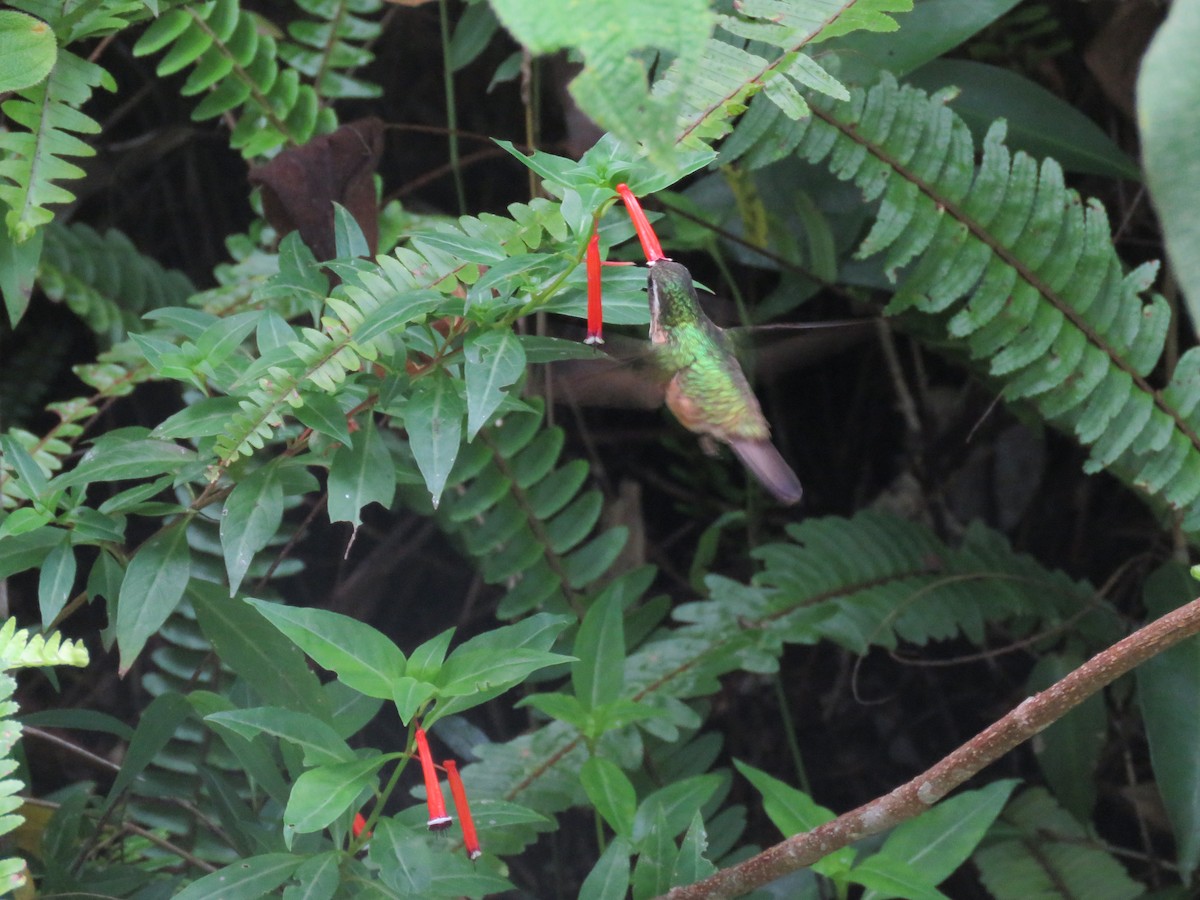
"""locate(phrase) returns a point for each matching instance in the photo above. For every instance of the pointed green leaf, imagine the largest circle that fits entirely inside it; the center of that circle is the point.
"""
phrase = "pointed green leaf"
(117, 457)
(890, 877)
(494, 361)
(598, 676)
(257, 651)
(246, 879)
(362, 657)
(322, 414)
(940, 840)
(611, 792)
(153, 586)
(348, 234)
(18, 271)
(676, 804)
(360, 474)
(156, 726)
(794, 812)
(320, 743)
(609, 878)
(433, 418)
(56, 580)
(321, 795)
(252, 514)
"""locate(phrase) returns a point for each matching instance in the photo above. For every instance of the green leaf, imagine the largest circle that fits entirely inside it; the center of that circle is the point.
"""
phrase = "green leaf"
(257, 651)
(19, 552)
(1168, 108)
(321, 795)
(324, 415)
(360, 474)
(404, 859)
(246, 879)
(563, 707)
(153, 586)
(252, 514)
(1169, 694)
(362, 657)
(348, 235)
(320, 743)
(611, 792)
(119, 456)
(318, 877)
(18, 271)
(433, 418)
(31, 474)
(471, 35)
(598, 676)
(537, 632)
(692, 864)
(1039, 122)
(676, 803)
(469, 672)
(927, 32)
(204, 418)
(609, 878)
(794, 812)
(460, 246)
(656, 858)
(156, 726)
(494, 361)
(27, 51)
(940, 840)
(890, 877)
(56, 580)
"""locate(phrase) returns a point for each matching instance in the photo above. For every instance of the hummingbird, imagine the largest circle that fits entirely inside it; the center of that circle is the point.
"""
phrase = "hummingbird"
(708, 392)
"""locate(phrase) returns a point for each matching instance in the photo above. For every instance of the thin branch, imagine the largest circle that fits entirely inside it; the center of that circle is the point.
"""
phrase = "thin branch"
(911, 799)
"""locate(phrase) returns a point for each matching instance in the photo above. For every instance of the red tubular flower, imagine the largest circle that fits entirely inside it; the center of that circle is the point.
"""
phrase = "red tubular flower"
(470, 839)
(595, 306)
(650, 245)
(438, 820)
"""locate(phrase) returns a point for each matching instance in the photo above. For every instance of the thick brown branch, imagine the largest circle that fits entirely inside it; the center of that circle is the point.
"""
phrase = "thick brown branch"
(912, 799)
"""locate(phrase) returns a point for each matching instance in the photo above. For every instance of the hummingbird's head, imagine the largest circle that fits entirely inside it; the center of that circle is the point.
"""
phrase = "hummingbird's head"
(672, 297)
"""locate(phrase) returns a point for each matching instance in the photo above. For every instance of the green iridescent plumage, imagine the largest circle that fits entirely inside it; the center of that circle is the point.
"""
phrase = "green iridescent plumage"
(708, 392)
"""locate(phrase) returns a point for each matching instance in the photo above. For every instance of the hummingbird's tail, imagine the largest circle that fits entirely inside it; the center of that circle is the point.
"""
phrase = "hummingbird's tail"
(764, 461)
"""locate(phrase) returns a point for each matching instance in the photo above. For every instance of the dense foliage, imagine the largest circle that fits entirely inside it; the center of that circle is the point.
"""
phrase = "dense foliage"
(341, 472)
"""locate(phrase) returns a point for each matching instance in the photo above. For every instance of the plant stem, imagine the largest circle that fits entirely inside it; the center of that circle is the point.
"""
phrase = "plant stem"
(451, 108)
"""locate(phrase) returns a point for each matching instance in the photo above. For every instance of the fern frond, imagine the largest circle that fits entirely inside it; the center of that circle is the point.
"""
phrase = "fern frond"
(872, 580)
(525, 518)
(732, 74)
(104, 280)
(1038, 849)
(1018, 271)
(33, 160)
(18, 649)
(238, 69)
(326, 51)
